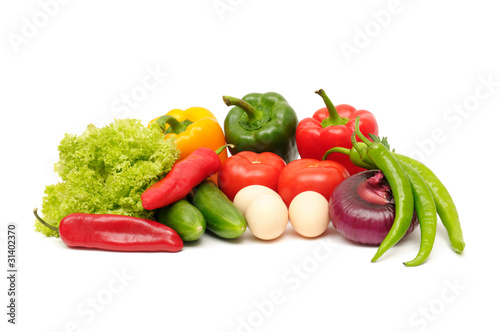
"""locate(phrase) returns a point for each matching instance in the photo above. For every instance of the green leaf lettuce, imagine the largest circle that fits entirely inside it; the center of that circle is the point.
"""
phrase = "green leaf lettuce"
(106, 170)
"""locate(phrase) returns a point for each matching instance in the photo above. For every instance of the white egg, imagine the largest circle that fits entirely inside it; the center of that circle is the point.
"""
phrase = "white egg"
(308, 213)
(246, 195)
(267, 216)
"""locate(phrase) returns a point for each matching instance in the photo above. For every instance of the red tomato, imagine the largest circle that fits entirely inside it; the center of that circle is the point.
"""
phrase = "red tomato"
(247, 168)
(310, 175)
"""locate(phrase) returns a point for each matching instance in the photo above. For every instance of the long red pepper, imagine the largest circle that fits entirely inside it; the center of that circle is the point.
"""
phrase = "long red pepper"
(115, 232)
(184, 176)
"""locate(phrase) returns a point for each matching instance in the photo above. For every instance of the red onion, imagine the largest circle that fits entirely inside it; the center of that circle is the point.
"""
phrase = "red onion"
(362, 208)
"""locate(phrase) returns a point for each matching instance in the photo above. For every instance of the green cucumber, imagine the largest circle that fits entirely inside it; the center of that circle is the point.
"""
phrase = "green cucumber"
(223, 218)
(183, 218)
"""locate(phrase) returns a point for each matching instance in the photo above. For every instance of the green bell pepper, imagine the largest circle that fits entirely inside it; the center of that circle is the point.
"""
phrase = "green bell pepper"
(261, 122)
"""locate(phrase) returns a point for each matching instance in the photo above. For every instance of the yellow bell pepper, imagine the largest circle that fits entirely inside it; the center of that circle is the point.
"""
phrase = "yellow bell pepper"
(191, 129)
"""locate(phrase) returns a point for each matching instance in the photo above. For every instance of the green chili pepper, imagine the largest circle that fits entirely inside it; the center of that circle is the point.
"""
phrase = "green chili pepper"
(401, 191)
(377, 154)
(382, 158)
(261, 122)
(445, 206)
(426, 213)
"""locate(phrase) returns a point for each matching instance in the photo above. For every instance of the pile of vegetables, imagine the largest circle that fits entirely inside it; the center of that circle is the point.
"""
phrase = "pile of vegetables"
(126, 187)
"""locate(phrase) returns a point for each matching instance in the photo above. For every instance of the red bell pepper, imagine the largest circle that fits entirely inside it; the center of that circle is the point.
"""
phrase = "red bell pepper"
(248, 168)
(310, 175)
(332, 127)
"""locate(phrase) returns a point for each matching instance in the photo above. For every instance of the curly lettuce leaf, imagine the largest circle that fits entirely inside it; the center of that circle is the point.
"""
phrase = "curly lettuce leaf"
(106, 170)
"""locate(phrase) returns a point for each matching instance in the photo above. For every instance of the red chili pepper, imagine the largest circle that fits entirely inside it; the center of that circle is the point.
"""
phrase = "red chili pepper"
(332, 127)
(310, 175)
(184, 176)
(248, 168)
(115, 232)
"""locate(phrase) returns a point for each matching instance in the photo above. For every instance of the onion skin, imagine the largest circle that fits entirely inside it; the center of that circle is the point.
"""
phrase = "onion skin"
(362, 208)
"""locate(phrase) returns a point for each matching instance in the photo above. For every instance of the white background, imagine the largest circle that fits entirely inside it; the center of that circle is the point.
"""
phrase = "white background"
(414, 69)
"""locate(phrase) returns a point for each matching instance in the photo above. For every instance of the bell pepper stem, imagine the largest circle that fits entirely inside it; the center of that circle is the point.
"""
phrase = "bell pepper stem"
(176, 126)
(43, 222)
(252, 118)
(253, 114)
(336, 149)
(333, 119)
